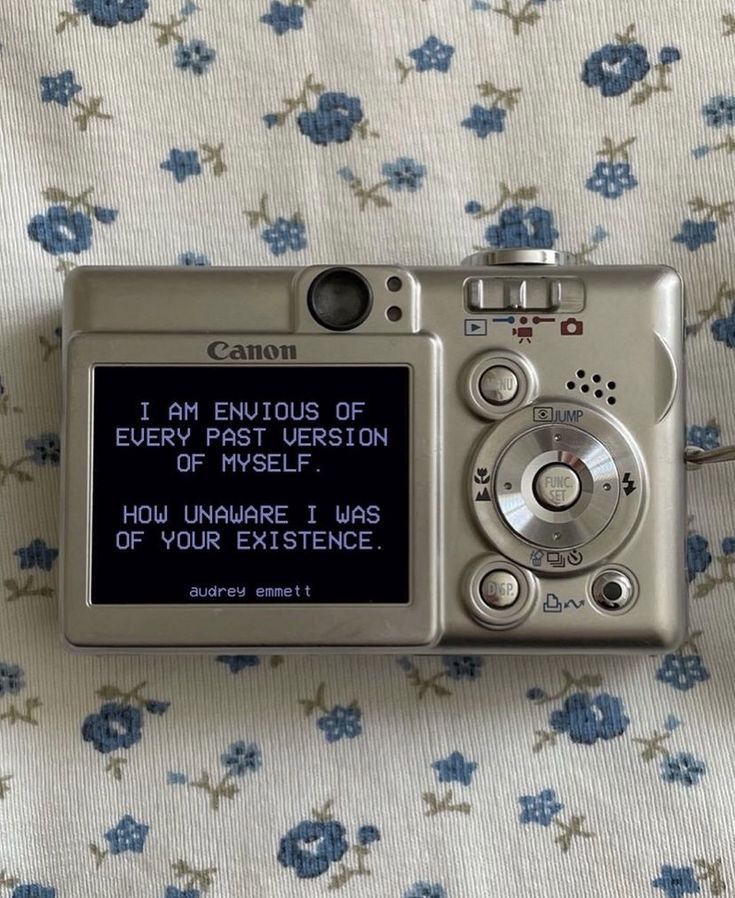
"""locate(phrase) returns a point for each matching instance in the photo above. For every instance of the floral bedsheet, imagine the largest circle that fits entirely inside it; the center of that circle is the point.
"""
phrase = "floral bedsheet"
(198, 132)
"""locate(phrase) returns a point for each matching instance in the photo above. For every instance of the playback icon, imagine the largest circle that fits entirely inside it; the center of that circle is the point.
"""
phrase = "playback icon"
(475, 327)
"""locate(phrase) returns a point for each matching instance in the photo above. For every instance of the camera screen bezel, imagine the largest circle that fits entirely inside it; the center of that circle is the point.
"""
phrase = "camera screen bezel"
(209, 624)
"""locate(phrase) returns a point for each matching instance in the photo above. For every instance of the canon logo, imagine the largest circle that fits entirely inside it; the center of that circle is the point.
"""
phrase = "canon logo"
(252, 352)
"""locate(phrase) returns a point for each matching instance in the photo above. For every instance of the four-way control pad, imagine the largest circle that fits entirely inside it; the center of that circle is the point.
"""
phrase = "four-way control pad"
(554, 496)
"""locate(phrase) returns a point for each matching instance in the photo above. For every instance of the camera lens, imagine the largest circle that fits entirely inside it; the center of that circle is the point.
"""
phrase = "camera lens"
(340, 299)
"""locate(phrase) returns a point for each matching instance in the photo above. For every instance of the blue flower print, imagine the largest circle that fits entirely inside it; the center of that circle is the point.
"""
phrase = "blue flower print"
(128, 835)
(719, 112)
(114, 726)
(472, 207)
(236, 663)
(704, 437)
(33, 890)
(699, 557)
(59, 88)
(485, 121)
(517, 227)
(195, 57)
(333, 120)
(676, 882)
(723, 329)
(153, 706)
(366, 835)
(728, 545)
(61, 231)
(615, 68)
(241, 758)
(109, 13)
(587, 719)
(535, 694)
(682, 672)
(45, 449)
(611, 179)
(283, 17)
(173, 892)
(182, 164)
(425, 890)
(463, 667)
(455, 769)
(11, 679)
(104, 215)
(191, 259)
(404, 174)
(669, 55)
(285, 234)
(36, 554)
(312, 846)
(682, 768)
(340, 723)
(694, 234)
(541, 808)
(432, 54)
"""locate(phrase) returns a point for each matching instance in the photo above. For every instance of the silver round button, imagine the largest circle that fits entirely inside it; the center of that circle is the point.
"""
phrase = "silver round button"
(499, 385)
(612, 590)
(557, 487)
(500, 589)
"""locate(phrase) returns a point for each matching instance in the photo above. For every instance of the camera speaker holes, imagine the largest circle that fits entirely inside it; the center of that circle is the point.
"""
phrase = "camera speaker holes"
(583, 381)
(393, 313)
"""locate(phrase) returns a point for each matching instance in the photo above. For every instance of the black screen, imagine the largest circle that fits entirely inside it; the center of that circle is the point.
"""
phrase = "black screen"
(250, 484)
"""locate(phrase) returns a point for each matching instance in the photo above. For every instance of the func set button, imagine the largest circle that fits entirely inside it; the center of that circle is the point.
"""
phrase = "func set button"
(557, 487)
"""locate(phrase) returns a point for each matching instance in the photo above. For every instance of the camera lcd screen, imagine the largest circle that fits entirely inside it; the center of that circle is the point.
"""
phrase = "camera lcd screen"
(252, 484)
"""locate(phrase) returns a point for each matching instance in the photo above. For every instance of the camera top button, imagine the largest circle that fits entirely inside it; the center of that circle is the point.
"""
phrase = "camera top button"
(499, 385)
(557, 487)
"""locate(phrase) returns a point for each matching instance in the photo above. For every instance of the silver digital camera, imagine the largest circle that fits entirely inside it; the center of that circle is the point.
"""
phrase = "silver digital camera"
(485, 458)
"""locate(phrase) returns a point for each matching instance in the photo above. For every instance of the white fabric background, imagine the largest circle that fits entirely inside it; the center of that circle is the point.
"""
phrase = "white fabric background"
(60, 797)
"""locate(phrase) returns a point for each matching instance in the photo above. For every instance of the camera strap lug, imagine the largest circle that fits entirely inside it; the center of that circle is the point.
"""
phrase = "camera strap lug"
(695, 457)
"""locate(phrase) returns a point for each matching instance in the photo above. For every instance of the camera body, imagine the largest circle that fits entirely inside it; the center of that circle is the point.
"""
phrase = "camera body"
(482, 458)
